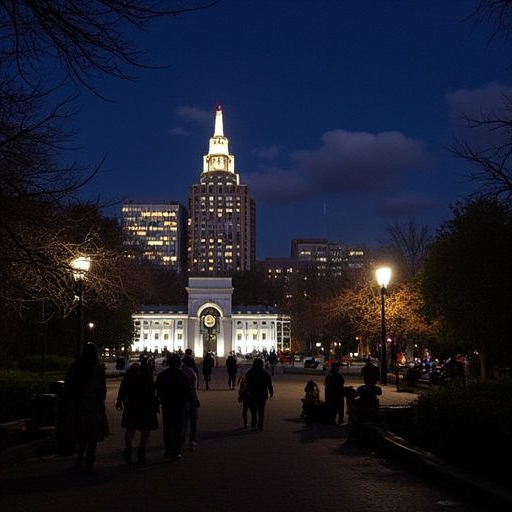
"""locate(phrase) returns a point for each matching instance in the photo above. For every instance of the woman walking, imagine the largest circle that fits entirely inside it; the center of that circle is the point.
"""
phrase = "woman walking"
(136, 398)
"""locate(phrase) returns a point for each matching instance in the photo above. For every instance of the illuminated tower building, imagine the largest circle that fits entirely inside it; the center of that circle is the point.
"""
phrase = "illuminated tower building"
(156, 232)
(222, 216)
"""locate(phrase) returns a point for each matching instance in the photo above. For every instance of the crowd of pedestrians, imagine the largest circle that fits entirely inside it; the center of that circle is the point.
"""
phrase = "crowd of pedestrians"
(142, 397)
(173, 395)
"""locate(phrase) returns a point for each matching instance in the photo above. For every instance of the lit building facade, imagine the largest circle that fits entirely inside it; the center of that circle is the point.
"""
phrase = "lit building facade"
(157, 232)
(328, 257)
(222, 216)
(211, 323)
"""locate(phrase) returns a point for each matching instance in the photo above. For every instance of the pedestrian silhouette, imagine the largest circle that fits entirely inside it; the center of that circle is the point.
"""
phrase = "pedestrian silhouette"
(136, 398)
(173, 392)
(259, 389)
(84, 396)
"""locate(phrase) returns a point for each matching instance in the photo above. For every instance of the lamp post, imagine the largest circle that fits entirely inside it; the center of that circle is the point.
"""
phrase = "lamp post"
(80, 268)
(91, 327)
(383, 275)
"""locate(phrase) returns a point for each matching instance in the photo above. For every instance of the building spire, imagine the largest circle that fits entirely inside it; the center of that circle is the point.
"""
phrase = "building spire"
(219, 124)
(218, 157)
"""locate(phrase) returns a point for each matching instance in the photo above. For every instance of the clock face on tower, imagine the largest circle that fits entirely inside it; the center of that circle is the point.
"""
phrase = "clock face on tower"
(218, 163)
(209, 321)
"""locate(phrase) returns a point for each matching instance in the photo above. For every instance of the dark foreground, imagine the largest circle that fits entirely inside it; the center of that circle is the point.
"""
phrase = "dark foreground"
(289, 466)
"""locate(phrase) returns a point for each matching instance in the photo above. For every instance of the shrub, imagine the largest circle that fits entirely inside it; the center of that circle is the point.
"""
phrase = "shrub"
(17, 391)
(470, 426)
(52, 363)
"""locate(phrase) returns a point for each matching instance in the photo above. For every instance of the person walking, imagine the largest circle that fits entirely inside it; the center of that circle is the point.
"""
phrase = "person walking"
(334, 394)
(232, 368)
(243, 397)
(189, 360)
(173, 392)
(272, 361)
(85, 390)
(208, 364)
(259, 389)
(136, 398)
(190, 369)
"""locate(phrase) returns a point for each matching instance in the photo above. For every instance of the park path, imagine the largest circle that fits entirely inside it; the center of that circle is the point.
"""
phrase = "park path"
(290, 466)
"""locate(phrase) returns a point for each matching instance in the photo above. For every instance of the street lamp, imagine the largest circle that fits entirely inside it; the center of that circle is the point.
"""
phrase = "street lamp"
(80, 268)
(91, 327)
(383, 275)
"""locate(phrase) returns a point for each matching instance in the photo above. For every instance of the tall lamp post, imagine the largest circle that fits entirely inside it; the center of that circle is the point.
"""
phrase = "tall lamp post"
(80, 266)
(91, 328)
(383, 275)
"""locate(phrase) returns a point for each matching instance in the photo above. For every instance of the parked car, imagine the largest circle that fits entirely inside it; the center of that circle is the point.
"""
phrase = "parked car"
(311, 362)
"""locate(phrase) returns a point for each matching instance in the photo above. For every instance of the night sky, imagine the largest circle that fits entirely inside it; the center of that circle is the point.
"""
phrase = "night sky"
(338, 112)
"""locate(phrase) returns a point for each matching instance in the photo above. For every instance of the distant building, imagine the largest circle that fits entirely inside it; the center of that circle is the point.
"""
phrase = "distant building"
(156, 232)
(222, 216)
(210, 323)
(325, 257)
(328, 258)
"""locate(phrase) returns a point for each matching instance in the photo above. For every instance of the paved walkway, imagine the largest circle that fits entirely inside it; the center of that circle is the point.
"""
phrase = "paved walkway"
(289, 466)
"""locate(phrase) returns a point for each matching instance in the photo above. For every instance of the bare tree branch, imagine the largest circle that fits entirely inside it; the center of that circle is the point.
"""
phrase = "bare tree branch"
(87, 39)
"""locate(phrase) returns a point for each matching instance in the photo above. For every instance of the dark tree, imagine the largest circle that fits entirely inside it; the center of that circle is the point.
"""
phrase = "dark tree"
(406, 245)
(86, 39)
(490, 149)
(466, 282)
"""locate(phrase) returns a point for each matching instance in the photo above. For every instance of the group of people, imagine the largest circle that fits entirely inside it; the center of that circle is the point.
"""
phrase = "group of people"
(330, 410)
(361, 402)
(173, 394)
(254, 389)
(141, 397)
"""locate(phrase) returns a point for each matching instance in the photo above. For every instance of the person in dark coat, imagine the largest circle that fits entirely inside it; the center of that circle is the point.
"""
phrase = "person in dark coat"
(259, 388)
(189, 361)
(188, 367)
(243, 398)
(85, 390)
(334, 394)
(232, 368)
(173, 392)
(370, 373)
(310, 401)
(136, 398)
(208, 364)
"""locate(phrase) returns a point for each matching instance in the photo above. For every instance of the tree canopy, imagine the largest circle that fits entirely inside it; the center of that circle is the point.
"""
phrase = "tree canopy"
(466, 282)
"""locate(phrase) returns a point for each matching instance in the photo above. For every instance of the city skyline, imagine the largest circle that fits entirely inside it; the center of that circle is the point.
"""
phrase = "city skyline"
(339, 114)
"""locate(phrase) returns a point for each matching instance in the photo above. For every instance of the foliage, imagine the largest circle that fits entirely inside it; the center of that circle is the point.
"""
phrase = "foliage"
(405, 245)
(46, 50)
(52, 363)
(254, 287)
(360, 307)
(466, 282)
(17, 392)
(309, 292)
(85, 40)
(470, 426)
(488, 146)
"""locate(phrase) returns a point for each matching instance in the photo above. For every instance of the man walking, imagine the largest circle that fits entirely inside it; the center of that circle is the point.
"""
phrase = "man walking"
(173, 392)
(232, 368)
(259, 388)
